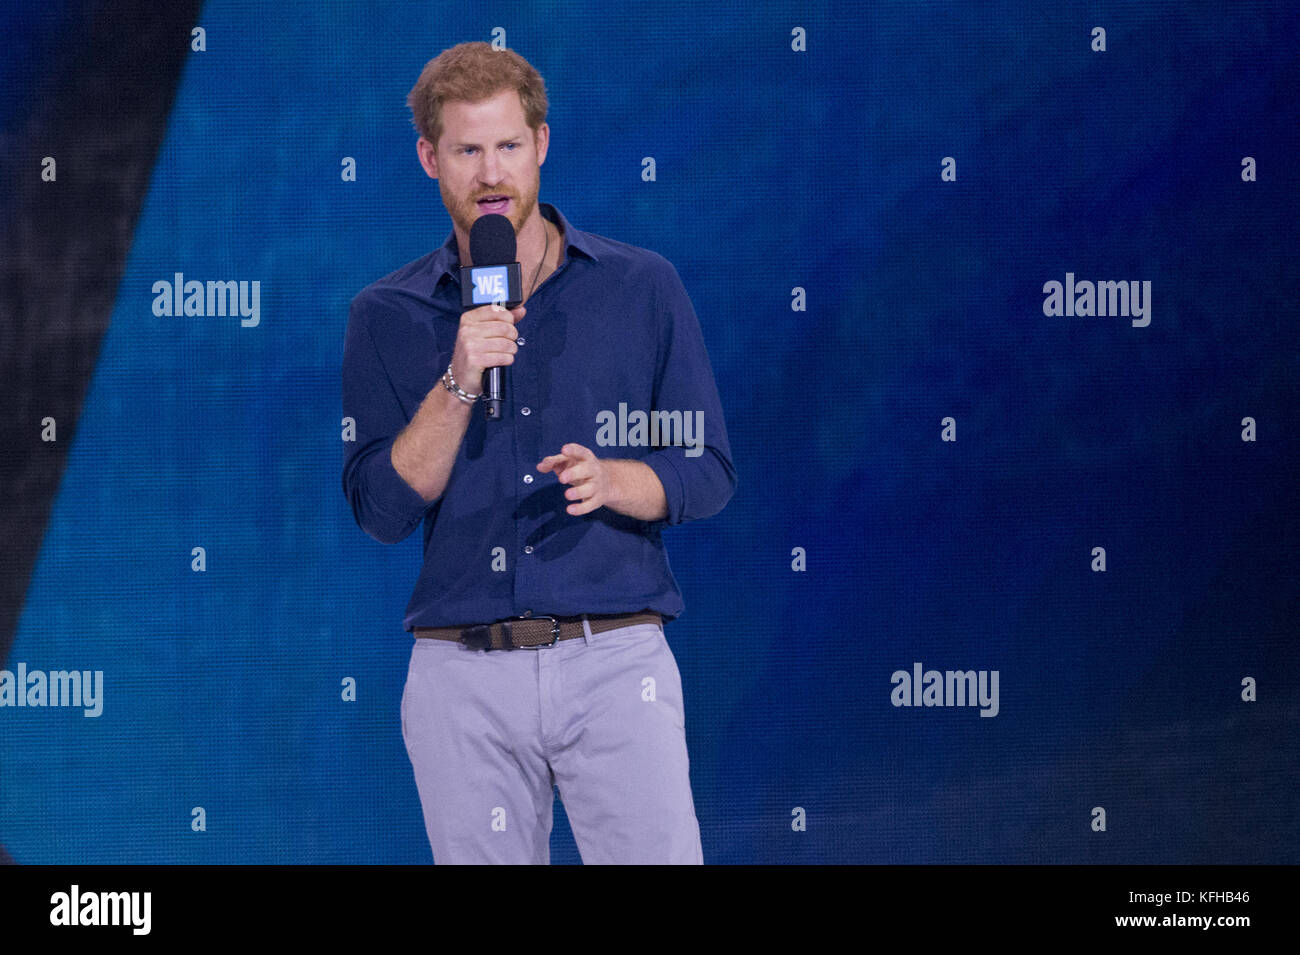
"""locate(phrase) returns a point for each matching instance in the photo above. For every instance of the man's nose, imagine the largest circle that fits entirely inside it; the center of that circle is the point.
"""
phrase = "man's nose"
(492, 170)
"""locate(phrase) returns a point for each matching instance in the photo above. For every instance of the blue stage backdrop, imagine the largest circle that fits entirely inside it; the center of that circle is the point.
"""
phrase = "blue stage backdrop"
(1084, 491)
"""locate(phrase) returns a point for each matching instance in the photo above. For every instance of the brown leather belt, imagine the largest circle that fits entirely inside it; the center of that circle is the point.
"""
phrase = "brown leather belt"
(532, 632)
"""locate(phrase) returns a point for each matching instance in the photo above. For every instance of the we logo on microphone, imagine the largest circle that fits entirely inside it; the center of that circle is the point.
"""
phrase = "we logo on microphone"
(491, 284)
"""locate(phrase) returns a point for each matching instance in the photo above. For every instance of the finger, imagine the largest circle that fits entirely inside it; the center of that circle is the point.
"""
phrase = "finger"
(494, 313)
(586, 507)
(497, 347)
(581, 491)
(550, 462)
(578, 451)
(496, 329)
(576, 473)
(511, 315)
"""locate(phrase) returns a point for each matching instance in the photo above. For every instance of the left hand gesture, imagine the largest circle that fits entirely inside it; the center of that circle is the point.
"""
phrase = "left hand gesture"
(591, 482)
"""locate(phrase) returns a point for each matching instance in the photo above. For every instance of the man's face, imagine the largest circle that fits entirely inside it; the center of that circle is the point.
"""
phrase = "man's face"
(487, 150)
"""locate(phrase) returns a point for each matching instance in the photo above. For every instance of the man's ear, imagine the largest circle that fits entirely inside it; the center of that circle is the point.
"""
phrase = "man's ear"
(542, 139)
(428, 157)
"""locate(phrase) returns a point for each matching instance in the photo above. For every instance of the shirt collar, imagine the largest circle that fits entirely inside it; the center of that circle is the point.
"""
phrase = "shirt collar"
(446, 261)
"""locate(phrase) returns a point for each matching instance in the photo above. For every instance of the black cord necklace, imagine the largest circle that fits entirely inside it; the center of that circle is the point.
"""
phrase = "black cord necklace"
(543, 262)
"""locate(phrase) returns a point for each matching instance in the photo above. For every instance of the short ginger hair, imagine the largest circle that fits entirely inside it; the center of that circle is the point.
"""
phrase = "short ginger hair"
(471, 73)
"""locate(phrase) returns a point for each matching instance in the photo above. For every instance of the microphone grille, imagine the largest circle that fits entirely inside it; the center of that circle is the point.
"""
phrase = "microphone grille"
(492, 240)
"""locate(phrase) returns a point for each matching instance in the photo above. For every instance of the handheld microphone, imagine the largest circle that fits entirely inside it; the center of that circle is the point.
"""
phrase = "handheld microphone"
(493, 278)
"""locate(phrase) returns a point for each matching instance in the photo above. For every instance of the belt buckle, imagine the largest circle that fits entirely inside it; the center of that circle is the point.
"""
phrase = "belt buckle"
(478, 637)
(555, 631)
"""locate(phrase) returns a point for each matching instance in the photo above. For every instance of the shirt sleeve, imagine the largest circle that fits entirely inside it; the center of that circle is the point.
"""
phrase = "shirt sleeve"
(383, 504)
(698, 477)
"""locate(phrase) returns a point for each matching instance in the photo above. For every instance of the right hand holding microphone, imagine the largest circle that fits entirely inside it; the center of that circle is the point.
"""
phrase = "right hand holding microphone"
(486, 339)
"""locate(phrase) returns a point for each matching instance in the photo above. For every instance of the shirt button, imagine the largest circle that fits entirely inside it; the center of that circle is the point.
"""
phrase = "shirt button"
(528, 479)
(520, 341)
(528, 548)
(525, 411)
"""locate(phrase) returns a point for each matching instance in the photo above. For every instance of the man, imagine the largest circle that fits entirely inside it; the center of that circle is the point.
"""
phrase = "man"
(539, 659)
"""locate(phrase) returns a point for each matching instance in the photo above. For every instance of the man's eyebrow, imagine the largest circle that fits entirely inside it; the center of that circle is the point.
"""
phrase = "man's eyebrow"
(502, 142)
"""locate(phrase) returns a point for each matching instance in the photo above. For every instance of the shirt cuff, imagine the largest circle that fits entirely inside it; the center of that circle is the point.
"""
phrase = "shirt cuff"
(390, 491)
(671, 479)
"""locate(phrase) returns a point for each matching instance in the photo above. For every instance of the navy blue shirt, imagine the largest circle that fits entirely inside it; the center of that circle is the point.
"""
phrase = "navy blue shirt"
(611, 357)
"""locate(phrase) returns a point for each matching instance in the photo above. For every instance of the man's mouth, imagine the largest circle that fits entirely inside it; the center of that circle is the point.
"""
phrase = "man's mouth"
(494, 203)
